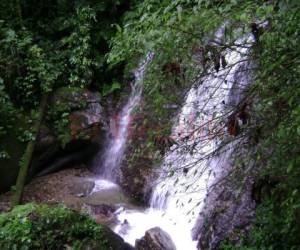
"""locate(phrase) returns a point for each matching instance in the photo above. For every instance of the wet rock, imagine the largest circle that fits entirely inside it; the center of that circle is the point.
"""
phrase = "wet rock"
(103, 209)
(86, 118)
(103, 214)
(46, 139)
(227, 212)
(108, 197)
(87, 126)
(105, 220)
(140, 160)
(84, 123)
(78, 152)
(82, 187)
(155, 239)
(136, 174)
(136, 183)
(115, 241)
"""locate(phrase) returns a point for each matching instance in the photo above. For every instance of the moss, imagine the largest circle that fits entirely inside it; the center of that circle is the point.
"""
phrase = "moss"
(43, 227)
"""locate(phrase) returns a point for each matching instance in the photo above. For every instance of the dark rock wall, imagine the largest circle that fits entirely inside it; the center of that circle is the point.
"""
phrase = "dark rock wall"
(87, 128)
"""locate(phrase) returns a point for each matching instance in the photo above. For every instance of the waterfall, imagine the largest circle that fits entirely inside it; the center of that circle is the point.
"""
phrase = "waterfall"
(193, 165)
(113, 155)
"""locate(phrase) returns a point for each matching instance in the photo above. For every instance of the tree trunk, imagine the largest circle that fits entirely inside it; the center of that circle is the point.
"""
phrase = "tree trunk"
(27, 157)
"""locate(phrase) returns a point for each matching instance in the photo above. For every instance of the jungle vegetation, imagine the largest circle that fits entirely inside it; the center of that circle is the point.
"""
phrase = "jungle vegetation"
(45, 45)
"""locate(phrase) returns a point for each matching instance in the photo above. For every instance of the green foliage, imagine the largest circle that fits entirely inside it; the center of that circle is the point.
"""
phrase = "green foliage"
(172, 29)
(64, 43)
(278, 114)
(46, 45)
(42, 227)
(108, 89)
(79, 43)
(175, 31)
(7, 117)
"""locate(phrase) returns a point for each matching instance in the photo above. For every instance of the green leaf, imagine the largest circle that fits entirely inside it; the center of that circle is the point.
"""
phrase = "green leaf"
(108, 89)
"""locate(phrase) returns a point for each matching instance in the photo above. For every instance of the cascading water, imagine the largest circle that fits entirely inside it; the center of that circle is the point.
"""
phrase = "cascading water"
(192, 166)
(115, 150)
(189, 168)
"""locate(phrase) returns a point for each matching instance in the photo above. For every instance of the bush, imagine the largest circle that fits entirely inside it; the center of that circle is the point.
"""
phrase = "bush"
(278, 112)
(42, 227)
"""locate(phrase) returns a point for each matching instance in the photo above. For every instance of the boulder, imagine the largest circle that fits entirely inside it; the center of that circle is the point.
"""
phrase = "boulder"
(103, 209)
(87, 128)
(137, 182)
(155, 239)
(103, 214)
(82, 187)
(136, 175)
(115, 242)
(87, 118)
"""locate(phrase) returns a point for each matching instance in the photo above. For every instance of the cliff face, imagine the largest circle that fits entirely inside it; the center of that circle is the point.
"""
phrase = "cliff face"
(229, 205)
(148, 139)
(83, 136)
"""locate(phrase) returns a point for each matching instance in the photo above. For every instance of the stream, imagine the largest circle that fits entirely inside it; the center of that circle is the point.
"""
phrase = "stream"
(190, 167)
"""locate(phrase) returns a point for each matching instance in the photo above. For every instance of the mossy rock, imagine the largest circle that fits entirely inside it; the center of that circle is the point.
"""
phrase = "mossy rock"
(47, 227)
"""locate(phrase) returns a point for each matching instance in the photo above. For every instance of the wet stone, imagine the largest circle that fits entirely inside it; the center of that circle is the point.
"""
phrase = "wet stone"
(155, 239)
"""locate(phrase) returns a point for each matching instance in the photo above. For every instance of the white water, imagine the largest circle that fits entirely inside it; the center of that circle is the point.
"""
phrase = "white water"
(115, 150)
(102, 184)
(186, 175)
(179, 194)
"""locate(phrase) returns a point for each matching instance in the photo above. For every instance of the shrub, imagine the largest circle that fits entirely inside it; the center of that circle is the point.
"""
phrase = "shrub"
(45, 227)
